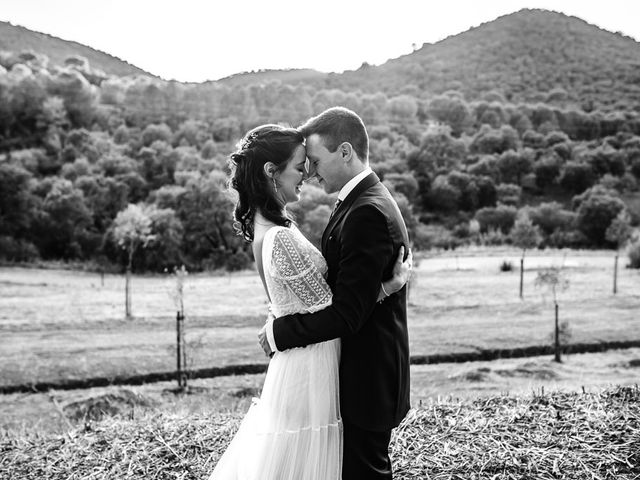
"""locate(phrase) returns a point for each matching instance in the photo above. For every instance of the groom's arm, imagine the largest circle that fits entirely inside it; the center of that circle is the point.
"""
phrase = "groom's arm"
(366, 252)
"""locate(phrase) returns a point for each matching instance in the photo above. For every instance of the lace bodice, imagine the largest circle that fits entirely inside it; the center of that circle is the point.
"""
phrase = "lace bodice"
(294, 272)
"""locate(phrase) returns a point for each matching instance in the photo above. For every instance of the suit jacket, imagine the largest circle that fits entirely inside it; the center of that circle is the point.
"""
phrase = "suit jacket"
(360, 245)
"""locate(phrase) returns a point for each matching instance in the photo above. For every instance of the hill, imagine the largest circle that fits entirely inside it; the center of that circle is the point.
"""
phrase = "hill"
(557, 435)
(18, 39)
(527, 56)
(262, 76)
(523, 56)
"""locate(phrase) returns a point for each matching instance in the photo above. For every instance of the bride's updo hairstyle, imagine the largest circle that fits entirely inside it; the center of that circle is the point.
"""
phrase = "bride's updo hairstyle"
(266, 143)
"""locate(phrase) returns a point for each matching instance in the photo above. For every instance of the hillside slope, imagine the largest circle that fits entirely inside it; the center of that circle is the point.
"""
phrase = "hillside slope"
(18, 39)
(518, 55)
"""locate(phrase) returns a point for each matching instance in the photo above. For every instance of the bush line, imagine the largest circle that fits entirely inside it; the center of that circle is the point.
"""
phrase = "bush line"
(460, 357)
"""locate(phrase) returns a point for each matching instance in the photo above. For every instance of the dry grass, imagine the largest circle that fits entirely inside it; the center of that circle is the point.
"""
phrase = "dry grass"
(559, 435)
(543, 436)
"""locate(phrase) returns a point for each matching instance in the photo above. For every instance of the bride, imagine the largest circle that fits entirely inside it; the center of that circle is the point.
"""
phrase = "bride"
(294, 431)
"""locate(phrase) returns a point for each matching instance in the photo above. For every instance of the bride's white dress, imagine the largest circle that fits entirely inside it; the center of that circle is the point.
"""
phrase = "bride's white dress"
(294, 431)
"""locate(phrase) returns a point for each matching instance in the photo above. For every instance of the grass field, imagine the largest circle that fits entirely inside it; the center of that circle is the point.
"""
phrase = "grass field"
(57, 324)
(504, 419)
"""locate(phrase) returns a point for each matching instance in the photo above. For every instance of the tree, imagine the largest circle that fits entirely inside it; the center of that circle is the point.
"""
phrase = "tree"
(64, 225)
(204, 209)
(524, 235)
(156, 132)
(16, 202)
(619, 233)
(444, 196)
(403, 183)
(513, 165)
(596, 212)
(489, 140)
(547, 170)
(403, 108)
(551, 217)
(500, 218)
(554, 279)
(131, 230)
(450, 110)
(576, 177)
(80, 97)
(439, 153)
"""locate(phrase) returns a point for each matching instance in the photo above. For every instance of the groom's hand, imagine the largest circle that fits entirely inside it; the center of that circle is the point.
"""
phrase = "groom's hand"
(264, 343)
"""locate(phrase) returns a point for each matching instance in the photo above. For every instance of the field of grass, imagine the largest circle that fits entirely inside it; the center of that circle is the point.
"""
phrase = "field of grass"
(544, 435)
(52, 411)
(57, 324)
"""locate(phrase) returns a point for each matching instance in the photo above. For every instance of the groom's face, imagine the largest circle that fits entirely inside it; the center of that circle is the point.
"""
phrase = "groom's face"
(328, 166)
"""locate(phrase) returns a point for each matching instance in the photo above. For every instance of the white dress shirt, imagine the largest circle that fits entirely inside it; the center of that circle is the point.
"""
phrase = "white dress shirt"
(344, 192)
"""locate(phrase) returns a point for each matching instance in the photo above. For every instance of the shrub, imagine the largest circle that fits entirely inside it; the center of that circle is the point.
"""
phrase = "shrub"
(567, 239)
(239, 260)
(634, 255)
(547, 170)
(635, 167)
(595, 214)
(552, 217)
(489, 140)
(576, 177)
(434, 236)
(443, 195)
(509, 194)
(493, 237)
(17, 250)
(500, 218)
(533, 139)
(506, 266)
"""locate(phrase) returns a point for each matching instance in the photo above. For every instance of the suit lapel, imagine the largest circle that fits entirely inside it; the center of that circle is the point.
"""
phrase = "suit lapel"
(344, 207)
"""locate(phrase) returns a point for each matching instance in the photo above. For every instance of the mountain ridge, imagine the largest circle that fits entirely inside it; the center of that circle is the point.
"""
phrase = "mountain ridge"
(521, 57)
(18, 39)
(520, 53)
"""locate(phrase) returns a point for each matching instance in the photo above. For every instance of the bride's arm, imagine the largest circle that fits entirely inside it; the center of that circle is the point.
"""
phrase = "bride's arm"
(298, 273)
(401, 275)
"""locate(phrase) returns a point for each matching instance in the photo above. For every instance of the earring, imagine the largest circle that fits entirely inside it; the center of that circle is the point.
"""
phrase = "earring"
(275, 187)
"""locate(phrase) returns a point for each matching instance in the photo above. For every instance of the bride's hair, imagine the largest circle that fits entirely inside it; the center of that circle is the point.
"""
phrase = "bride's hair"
(266, 143)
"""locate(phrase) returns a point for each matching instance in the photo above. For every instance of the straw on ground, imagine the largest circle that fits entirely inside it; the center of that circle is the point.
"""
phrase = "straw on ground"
(541, 436)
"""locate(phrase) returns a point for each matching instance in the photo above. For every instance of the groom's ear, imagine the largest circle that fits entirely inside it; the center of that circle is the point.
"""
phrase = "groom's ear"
(346, 151)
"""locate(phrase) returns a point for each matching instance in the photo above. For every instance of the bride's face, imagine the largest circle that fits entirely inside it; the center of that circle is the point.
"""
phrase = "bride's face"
(289, 181)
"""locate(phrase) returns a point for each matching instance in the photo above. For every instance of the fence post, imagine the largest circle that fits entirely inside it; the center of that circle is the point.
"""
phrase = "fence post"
(184, 351)
(615, 275)
(179, 348)
(557, 338)
(521, 275)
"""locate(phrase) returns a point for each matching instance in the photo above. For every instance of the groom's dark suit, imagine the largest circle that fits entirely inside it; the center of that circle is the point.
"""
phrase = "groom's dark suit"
(360, 245)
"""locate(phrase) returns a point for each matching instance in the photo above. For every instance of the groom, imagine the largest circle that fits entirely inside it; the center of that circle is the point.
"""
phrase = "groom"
(360, 245)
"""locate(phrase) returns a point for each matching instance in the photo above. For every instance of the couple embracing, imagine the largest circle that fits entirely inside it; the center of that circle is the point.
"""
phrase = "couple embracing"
(338, 379)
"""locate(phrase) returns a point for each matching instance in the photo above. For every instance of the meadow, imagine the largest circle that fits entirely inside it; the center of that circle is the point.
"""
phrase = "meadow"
(61, 324)
(508, 418)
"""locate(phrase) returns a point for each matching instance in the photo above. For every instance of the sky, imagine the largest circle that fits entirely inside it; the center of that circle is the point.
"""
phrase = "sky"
(199, 40)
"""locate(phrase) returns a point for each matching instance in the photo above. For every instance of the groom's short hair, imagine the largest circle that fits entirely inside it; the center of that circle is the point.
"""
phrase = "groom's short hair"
(337, 125)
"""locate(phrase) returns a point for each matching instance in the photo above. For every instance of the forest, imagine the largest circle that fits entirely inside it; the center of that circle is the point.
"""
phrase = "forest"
(534, 165)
